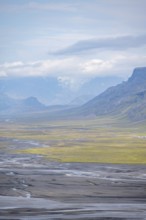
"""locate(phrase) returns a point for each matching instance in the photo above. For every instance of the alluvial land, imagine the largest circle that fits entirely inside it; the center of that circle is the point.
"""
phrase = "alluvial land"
(72, 169)
(100, 140)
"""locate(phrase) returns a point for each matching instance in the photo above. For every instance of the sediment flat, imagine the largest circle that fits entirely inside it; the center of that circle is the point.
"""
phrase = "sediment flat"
(47, 190)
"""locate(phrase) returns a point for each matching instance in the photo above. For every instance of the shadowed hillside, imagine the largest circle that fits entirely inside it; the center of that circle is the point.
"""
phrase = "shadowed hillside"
(127, 98)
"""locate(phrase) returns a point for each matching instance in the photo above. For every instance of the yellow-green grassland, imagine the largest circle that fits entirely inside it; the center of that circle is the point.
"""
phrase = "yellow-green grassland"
(97, 140)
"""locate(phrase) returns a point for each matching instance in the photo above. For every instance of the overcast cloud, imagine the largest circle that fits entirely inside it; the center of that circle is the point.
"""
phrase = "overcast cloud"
(111, 43)
(72, 38)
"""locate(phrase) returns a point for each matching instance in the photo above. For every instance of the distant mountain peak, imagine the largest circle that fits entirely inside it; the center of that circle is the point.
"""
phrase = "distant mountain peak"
(32, 101)
(139, 73)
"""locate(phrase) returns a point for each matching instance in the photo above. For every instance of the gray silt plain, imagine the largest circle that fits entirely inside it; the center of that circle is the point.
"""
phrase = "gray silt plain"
(36, 189)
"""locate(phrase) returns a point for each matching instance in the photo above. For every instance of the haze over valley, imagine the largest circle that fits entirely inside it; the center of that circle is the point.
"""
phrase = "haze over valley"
(72, 110)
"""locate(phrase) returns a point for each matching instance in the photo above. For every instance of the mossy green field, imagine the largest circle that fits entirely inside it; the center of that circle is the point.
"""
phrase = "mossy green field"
(98, 140)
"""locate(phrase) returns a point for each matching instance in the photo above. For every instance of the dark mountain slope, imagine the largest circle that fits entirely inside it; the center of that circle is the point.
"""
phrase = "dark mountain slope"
(128, 98)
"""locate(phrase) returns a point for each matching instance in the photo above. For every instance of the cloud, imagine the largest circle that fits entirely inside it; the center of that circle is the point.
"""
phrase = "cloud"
(50, 6)
(63, 68)
(70, 70)
(36, 6)
(38, 68)
(110, 43)
(97, 65)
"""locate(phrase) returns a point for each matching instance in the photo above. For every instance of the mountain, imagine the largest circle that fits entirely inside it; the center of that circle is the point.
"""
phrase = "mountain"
(5, 102)
(92, 87)
(127, 98)
(44, 89)
(97, 85)
(9, 105)
(30, 104)
(55, 90)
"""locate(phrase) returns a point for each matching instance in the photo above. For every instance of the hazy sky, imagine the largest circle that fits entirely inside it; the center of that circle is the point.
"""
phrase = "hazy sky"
(72, 38)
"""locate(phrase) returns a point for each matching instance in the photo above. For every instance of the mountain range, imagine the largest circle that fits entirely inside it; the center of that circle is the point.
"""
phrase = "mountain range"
(126, 99)
(55, 90)
(9, 105)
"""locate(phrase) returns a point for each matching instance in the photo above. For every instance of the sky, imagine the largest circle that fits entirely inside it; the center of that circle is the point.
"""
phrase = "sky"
(72, 39)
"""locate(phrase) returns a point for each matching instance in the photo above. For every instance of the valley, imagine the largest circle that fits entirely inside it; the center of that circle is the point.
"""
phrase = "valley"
(72, 110)
(91, 168)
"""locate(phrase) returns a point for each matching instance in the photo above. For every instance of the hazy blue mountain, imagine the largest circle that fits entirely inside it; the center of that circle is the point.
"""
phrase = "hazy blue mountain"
(127, 98)
(99, 84)
(82, 99)
(52, 91)
(22, 87)
(10, 105)
(93, 87)
(5, 102)
(31, 104)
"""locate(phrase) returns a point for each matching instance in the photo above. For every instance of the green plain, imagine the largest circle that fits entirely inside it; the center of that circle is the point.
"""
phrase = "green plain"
(97, 140)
